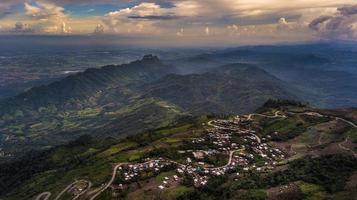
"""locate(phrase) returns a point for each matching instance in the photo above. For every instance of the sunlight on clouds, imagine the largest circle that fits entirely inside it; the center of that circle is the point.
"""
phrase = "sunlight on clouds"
(44, 11)
(46, 17)
(227, 20)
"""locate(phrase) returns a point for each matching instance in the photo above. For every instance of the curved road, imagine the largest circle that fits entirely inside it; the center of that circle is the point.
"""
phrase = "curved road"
(348, 122)
(229, 160)
(65, 189)
(276, 115)
(337, 118)
(84, 191)
(321, 115)
(43, 196)
(110, 181)
(345, 148)
(46, 195)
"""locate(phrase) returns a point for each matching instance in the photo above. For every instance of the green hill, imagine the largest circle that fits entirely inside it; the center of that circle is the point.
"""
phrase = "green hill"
(318, 161)
(234, 88)
(129, 99)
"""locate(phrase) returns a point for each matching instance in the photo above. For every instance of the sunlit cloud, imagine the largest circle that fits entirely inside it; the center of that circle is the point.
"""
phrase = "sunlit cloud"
(187, 20)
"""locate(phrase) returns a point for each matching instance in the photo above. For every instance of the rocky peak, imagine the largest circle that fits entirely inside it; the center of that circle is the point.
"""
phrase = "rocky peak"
(150, 58)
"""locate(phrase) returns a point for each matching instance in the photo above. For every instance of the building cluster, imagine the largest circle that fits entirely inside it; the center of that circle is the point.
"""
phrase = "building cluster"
(133, 171)
(231, 138)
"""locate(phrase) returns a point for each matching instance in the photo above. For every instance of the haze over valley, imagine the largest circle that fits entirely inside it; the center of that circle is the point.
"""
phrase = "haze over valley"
(182, 100)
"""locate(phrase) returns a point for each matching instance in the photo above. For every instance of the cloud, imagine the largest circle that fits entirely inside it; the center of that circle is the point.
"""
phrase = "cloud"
(44, 11)
(21, 27)
(99, 29)
(181, 32)
(155, 17)
(340, 25)
(47, 17)
(140, 18)
(228, 19)
(282, 21)
(233, 29)
(314, 24)
(283, 24)
(348, 10)
(207, 31)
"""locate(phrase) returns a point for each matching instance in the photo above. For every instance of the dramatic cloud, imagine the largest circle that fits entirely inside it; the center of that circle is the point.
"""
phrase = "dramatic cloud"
(186, 20)
(47, 17)
(340, 25)
(143, 17)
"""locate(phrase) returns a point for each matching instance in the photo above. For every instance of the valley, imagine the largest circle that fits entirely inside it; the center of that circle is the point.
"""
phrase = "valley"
(178, 100)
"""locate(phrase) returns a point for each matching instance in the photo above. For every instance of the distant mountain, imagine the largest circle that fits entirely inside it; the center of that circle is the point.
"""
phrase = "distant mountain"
(324, 73)
(77, 90)
(131, 98)
(170, 102)
(234, 88)
(196, 64)
(63, 110)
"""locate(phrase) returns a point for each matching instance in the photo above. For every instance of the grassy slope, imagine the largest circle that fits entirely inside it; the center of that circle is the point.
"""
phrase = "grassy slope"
(67, 108)
(93, 159)
(137, 116)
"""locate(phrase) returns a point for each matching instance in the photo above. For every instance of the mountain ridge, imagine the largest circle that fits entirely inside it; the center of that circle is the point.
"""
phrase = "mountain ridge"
(220, 87)
(117, 97)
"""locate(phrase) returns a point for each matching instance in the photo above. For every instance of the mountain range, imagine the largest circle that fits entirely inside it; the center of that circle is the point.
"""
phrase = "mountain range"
(126, 99)
(130, 98)
(239, 110)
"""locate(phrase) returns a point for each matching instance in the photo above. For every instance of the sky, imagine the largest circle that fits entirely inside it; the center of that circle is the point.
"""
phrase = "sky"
(185, 21)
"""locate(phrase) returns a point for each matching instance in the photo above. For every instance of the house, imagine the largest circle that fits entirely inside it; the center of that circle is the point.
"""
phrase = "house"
(198, 154)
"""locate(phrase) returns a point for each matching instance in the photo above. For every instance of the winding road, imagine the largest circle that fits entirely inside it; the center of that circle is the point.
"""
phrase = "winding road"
(46, 195)
(345, 148)
(276, 115)
(110, 181)
(348, 122)
(65, 189)
(321, 115)
(43, 196)
(337, 118)
(84, 191)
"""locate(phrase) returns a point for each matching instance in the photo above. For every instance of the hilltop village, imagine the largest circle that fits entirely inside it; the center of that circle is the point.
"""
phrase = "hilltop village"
(230, 146)
(233, 146)
(232, 138)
